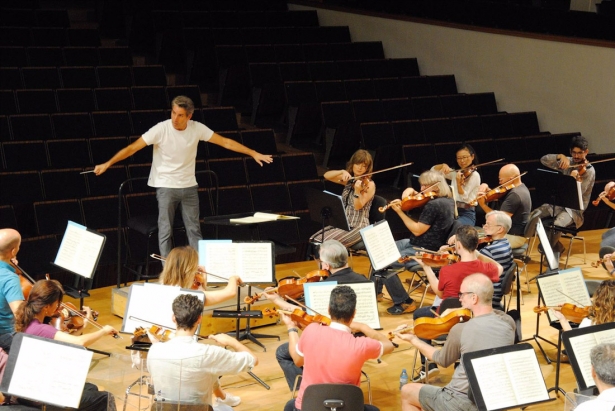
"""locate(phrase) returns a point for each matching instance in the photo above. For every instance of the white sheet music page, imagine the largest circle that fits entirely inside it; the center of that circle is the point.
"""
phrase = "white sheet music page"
(380, 245)
(582, 345)
(79, 250)
(251, 261)
(566, 287)
(62, 370)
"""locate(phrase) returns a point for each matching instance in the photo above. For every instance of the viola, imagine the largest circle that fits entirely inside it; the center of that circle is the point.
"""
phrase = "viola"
(161, 333)
(582, 167)
(429, 328)
(498, 192)
(595, 264)
(303, 319)
(414, 200)
(570, 311)
(25, 281)
(432, 259)
(486, 239)
(291, 287)
(610, 195)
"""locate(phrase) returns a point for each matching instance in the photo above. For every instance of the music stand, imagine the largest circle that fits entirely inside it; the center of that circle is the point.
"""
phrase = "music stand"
(326, 208)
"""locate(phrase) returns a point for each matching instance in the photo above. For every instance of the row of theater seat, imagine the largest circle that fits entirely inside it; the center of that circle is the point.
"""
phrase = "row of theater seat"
(24, 127)
(49, 36)
(37, 101)
(65, 56)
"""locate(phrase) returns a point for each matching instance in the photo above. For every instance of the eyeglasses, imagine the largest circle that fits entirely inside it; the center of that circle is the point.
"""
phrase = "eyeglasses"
(463, 158)
(467, 292)
(577, 153)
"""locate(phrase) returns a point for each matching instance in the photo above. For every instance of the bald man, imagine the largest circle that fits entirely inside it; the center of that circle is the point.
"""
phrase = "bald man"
(516, 203)
(11, 295)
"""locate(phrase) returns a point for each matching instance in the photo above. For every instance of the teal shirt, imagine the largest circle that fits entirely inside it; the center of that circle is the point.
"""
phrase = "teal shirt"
(10, 290)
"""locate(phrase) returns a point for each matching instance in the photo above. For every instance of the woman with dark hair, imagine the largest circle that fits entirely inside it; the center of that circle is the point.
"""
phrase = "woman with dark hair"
(357, 196)
(465, 188)
(44, 300)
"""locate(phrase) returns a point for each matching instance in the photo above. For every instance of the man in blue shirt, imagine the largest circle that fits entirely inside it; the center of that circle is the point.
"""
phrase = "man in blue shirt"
(11, 295)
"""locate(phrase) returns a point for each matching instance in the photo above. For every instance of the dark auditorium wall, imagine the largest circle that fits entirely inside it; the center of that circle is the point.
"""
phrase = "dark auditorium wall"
(570, 86)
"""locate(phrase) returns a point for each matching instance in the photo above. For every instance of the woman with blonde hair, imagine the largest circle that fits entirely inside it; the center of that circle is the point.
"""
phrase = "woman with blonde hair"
(357, 196)
(601, 311)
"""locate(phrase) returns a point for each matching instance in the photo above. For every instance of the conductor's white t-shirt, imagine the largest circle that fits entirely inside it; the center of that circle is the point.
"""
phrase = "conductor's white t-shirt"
(174, 159)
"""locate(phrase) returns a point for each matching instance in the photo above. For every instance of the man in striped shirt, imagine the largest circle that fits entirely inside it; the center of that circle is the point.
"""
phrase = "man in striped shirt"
(497, 225)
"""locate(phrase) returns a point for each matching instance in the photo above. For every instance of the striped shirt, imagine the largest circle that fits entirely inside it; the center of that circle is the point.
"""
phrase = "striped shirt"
(500, 251)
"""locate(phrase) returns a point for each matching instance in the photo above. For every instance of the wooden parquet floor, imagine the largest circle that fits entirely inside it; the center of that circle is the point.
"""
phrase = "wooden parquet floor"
(116, 373)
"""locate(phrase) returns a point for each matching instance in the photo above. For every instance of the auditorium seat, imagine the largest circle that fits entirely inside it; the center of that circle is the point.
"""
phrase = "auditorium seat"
(267, 90)
(299, 166)
(324, 34)
(359, 89)
(8, 102)
(438, 130)
(150, 75)
(72, 100)
(115, 56)
(455, 105)
(69, 153)
(39, 252)
(323, 70)
(297, 191)
(303, 109)
(20, 187)
(367, 111)
(220, 118)
(111, 123)
(294, 71)
(52, 217)
(41, 77)
(352, 69)
(423, 157)
(97, 212)
(113, 99)
(398, 67)
(259, 53)
(390, 87)
(497, 125)
(397, 109)
(271, 173)
(289, 52)
(143, 120)
(468, 128)
(81, 56)
(443, 84)
(114, 76)
(103, 148)
(331, 90)
(5, 134)
(315, 52)
(513, 149)
(408, 132)
(83, 37)
(13, 56)
(525, 123)
(8, 218)
(15, 160)
(45, 56)
(72, 125)
(36, 101)
(446, 152)
(272, 197)
(31, 127)
(48, 36)
(10, 78)
(482, 103)
(110, 184)
(230, 171)
(78, 77)
(261, 140)
(64, 184)
(426, 107)
(191, 91)
(376, 134)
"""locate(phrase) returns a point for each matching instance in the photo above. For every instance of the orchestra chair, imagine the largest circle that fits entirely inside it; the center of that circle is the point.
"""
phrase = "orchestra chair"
(505, 289)
(522, 254)
(572, 234)
(367, 380)
(451, 302)
(331, 397)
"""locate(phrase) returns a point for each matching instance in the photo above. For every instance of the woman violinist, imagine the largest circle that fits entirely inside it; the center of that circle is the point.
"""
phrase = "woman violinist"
(357, 196)
(601, 310)
(181, 269)
(465, 182)
(44, 300)
(607, 245)
(429, 232)
(11, 294)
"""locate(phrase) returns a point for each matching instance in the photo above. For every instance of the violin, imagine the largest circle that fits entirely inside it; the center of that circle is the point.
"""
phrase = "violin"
(413, 201)
(432, 259)
(582, 167)
(161, 333)
(303, 319)
(486, 239)
(291, 287)
(595, 264)
(498, 192)
(570, 311)
(467, 171)
(610, 195)
(25, 281)
(429, 328)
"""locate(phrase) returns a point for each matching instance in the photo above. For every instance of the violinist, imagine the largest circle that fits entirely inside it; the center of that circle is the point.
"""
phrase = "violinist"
(487, 329)
(448, 284)
(344, 356)
(44, 300)
(430, 232)
(184, 371)
(464, 182)
(333, 258)
(516, 202)
(11, 294)
(181, 268)
(357, 196)
(601, 310)
(564, 217)
(607, 245)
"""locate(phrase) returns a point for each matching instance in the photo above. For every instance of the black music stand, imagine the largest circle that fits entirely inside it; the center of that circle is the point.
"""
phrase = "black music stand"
(326, 208)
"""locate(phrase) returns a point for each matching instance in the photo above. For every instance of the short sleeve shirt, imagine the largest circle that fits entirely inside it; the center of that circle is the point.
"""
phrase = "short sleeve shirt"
(41, 330)
(439, 214)
(518, 203)
(10, 291)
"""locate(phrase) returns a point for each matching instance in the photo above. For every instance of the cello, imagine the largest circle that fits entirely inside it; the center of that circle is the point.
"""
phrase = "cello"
(25, 281)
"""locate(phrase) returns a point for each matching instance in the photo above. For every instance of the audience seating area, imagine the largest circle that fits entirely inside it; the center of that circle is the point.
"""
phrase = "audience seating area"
(71, 96)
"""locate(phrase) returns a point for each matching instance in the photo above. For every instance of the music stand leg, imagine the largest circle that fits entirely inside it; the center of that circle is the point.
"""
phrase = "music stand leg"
(247, 334)
(537, 336)
(557, 388)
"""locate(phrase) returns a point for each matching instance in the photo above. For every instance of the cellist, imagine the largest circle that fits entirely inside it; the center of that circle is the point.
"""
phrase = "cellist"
(11, 294)
(517, 203)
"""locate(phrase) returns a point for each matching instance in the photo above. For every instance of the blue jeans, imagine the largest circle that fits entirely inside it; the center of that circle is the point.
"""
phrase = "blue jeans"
(168, 201)
(466, 216)
(290, 370)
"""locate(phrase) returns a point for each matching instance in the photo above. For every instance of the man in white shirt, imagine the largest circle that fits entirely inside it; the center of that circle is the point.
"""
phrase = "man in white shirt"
(184, 371)
(175, 144)
(603, 372)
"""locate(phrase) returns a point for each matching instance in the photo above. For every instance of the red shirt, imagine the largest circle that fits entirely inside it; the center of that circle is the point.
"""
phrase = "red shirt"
(452, 275)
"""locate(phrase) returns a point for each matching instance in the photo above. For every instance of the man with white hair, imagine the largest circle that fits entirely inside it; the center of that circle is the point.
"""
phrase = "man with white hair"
(603, 372)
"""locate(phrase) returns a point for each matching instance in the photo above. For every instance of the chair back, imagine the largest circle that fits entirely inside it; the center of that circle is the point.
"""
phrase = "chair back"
(374, 214)
(530, 228)
(327, 397)
(451, 302)
(507, 280)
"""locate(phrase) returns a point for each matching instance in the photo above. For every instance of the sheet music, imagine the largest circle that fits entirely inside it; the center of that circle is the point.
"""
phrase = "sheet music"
(582, 345)
(252, 262)
(510, 379)
(60, 376)
(317, 297)
(79, 250)
(566, 287)
(380, 245)
(152, 303)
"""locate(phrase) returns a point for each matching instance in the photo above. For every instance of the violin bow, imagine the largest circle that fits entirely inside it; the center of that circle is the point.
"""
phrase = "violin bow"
(304, 306)
(591, 162)
(22, 271)
(161, 258)
(571, 299)
(381, 171)
(481, 164)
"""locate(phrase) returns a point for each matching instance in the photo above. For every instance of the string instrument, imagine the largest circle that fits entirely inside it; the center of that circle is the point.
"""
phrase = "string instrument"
(499, 191)
(71, 320)
(429, 328)
(582, 167)
(25, 281)
(291, 287)
(161, 333)
(199, 279)
(303, 319)
(595, 264)
(467, 171)
(414, 200)
(570, 311)
(486, 239)
(610, 195)
(432, 259)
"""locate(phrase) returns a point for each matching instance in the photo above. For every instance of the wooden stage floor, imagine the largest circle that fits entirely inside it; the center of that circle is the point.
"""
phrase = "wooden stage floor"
(117, 373)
